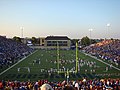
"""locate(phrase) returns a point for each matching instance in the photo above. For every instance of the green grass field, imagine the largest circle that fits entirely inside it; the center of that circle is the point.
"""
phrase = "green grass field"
(42, 62)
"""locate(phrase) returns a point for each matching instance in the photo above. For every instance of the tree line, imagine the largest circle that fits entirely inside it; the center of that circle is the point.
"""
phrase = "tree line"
(85, 41)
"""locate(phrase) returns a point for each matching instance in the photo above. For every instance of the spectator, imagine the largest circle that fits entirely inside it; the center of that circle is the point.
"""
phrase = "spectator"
(11, 51)
(107, 50)
(95, 84)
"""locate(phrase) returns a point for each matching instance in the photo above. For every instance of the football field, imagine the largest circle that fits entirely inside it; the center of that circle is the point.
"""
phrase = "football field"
(43, 64)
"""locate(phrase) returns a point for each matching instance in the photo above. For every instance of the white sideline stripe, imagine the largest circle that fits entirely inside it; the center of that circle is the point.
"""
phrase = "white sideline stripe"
(17, 63)
(102, 61)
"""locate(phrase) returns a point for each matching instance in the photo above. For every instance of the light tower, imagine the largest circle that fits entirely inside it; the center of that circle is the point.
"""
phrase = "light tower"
(90, 30)
(108, 28)
(21, 28)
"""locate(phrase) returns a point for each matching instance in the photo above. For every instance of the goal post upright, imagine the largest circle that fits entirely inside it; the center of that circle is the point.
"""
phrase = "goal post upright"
(58, 55)
(58, 58)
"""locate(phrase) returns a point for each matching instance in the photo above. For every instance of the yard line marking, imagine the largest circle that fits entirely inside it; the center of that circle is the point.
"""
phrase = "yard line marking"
(17, 63)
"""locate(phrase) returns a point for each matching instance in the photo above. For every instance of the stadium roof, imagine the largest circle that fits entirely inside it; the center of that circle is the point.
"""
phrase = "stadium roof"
(57, 38)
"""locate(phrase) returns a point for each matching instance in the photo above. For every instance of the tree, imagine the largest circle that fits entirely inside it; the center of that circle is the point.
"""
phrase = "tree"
(93, 41)
(18, 39)
(73, 41)
(85, 41)
(34, 40)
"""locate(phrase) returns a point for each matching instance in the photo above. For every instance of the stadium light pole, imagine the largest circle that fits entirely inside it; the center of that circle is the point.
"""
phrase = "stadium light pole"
(90, 30)
(108, 27)
(21, 28)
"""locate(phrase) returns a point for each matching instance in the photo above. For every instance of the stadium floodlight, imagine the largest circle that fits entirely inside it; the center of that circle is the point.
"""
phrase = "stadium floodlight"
(108, 26)
(90, 30)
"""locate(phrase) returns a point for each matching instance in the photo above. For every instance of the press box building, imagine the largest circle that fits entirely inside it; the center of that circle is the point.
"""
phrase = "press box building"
(63, 42)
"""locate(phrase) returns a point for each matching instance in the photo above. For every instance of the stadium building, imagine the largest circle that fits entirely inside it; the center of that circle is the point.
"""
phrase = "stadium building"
(63, 42)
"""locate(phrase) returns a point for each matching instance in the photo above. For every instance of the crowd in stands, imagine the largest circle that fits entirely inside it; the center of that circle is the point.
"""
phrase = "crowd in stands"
(107, 50)
(83, 84)
(11, 51)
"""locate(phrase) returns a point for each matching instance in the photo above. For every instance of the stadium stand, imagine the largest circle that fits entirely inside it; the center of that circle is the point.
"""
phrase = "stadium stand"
(11, 51)
(107, 50)
(83, 84)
